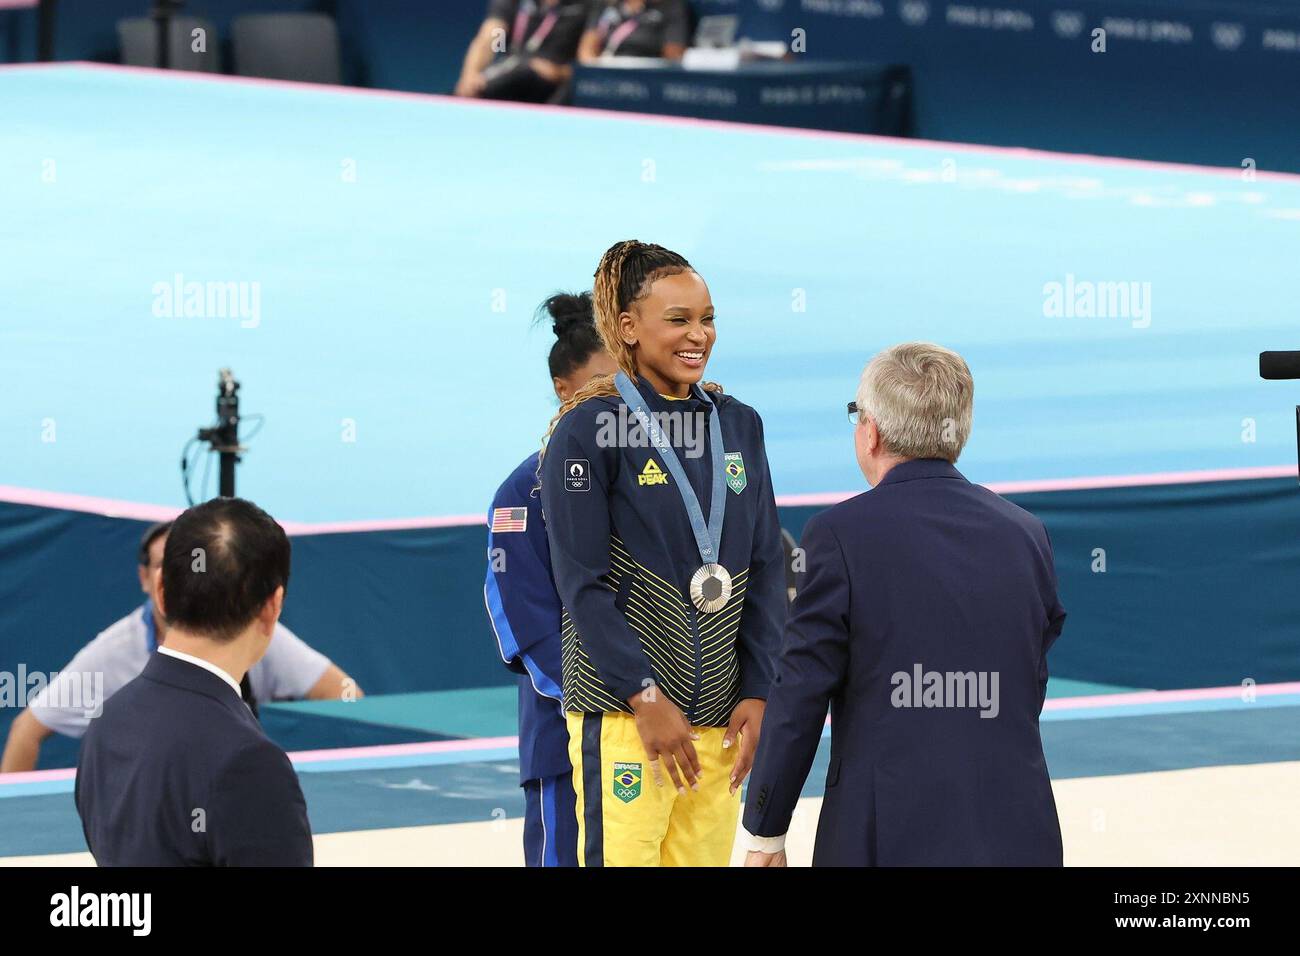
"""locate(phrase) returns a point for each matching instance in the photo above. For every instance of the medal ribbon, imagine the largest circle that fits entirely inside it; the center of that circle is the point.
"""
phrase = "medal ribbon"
(530, 44)
(621, 33)
(708, 537)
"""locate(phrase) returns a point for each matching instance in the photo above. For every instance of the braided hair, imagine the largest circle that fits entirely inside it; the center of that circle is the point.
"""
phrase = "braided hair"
(625, 274)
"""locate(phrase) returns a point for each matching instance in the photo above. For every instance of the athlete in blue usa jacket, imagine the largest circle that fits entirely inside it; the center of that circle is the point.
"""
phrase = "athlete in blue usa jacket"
(525, 610)
(659, 668)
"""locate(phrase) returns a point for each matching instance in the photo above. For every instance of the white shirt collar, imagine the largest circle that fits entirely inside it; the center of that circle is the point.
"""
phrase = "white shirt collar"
(206, 665)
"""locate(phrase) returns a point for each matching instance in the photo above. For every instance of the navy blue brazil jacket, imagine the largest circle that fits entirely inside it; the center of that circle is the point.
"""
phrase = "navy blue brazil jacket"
(623, 555)
(924, 622)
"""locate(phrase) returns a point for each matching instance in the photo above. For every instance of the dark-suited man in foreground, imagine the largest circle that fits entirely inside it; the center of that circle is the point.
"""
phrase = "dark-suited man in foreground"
(177, 771)
(924, 622)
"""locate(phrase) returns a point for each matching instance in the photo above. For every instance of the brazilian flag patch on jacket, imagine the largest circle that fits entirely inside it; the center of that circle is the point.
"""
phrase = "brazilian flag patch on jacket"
(735, 469)
(627, 781)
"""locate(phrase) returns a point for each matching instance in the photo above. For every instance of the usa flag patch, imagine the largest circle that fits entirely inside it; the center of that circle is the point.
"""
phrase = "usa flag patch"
(509, 519)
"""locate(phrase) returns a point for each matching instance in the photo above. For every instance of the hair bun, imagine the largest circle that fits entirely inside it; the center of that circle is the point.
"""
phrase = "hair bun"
(569, 313)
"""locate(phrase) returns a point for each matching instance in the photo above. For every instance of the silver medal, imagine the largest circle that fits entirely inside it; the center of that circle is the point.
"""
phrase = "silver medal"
(711, 585)
(711, 588)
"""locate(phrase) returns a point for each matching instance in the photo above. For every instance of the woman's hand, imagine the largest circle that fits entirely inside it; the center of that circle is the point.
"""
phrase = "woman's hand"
(747, 721)
(667, 736)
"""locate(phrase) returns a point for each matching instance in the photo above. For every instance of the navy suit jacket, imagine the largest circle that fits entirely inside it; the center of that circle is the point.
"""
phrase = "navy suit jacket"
(924, 573)
(177, 772)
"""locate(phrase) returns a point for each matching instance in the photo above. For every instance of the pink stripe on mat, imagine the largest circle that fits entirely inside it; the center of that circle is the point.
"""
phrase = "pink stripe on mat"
(108, 507)
(1168, 696)
(1136, 481)
(316, 756)
(402, 750)
(497, 743)
(299, 529)
(114, 508)
(1059, 703)
(38, 776)
(1013, 152)
(1077, 484)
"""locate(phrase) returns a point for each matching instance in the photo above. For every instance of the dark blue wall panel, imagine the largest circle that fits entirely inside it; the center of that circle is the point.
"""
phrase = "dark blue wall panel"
(1199, 589)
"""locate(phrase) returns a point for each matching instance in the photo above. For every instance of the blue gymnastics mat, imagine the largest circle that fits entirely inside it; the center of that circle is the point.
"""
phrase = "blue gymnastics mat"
(399, 245)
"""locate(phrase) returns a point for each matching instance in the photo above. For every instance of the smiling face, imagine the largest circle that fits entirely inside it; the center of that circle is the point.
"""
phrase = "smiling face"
(671, 331)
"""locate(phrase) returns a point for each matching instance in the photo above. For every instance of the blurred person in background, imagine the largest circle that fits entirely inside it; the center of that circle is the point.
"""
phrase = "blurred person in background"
(291, 670)
(525, 610)
(523, 51)
(645, 28)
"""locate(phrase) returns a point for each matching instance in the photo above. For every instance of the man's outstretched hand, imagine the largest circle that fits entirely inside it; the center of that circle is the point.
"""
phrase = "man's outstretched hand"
(758, 858)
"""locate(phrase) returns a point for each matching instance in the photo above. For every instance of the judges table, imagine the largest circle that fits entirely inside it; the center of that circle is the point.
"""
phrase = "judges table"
(847, 97)
(1209, 81)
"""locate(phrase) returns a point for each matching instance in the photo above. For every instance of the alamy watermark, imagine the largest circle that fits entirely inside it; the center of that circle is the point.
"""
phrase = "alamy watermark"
(1085, 299)
(69, 690)
(922, 688)
(621, 429)
(133, 911)
(180, 299)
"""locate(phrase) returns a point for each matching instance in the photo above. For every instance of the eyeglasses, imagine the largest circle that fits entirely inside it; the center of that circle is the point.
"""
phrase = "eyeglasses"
(855, 415)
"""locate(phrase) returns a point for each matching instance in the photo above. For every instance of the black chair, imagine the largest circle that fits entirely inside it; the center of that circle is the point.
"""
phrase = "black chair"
(138, 39)
(287, 46)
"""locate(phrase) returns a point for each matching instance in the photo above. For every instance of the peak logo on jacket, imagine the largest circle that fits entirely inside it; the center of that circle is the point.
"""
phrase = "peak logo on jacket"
(652, 474)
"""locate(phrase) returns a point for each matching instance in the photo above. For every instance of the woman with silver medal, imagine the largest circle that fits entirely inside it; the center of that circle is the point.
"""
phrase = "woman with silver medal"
(670, 625)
